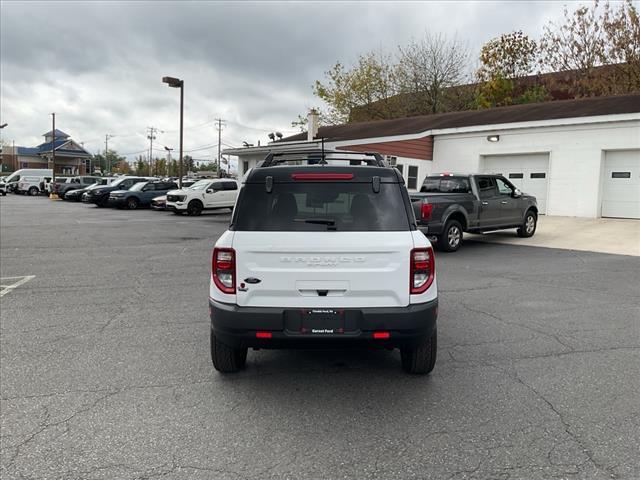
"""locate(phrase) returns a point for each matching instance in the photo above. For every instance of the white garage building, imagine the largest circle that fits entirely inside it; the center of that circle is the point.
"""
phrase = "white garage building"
(578, 157)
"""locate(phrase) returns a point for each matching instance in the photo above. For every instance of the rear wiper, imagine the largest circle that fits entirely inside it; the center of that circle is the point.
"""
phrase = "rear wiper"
(318, 221)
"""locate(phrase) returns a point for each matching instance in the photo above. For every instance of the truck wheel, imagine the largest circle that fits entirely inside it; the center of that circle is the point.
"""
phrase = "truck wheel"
(529, 225)
(420, 359)
(227, 359)
(132, 203)
(451, 237)
(194, 208)
(33, 191)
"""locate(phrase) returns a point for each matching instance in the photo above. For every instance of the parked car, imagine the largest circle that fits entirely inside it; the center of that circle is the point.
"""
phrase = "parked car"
(323, 255)
(203, 195)
(159, 203)
(448, 205)
(30, 185)
(76, 195)
(73, 183)
(100, 196)
(141, 194)
(32, 172)
(3, 188)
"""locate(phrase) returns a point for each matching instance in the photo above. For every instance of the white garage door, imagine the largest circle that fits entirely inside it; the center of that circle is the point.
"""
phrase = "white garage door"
(621, 184)
(528, 172)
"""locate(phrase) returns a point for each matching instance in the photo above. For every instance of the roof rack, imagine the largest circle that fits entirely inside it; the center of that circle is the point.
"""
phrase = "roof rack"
(319, 157)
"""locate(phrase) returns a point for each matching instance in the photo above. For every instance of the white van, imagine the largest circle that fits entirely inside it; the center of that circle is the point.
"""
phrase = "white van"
(32, 172)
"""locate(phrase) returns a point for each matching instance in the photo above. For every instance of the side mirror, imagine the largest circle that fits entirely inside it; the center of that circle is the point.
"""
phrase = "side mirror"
(210, 190)
(516, 193)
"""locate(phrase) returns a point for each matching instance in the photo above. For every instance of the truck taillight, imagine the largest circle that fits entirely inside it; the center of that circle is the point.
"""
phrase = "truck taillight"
(422, 271)
(425, 211)
(223, 269)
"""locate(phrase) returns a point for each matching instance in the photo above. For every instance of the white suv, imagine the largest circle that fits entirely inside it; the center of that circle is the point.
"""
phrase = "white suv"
(323, 254)
(203, 195)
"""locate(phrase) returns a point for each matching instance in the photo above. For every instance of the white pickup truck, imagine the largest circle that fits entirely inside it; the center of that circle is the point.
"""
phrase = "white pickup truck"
(323, 254)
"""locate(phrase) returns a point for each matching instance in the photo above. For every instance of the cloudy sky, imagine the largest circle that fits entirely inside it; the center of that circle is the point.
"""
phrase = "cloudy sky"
(99, 65)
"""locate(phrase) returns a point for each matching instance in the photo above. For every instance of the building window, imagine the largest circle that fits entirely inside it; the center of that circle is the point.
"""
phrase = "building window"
(538, 175)
(400, 168)
(412, 180)
(391, 160)
(245, 166)
(620, 174)
(516, 175)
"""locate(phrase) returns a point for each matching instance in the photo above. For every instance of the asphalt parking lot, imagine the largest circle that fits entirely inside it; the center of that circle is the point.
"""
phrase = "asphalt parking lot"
(105, 370)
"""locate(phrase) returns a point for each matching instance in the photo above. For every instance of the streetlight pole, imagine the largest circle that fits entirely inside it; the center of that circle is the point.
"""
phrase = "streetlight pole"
(177, 83)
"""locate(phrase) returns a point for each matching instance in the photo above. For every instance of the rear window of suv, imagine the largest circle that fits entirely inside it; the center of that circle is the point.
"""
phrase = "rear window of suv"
(308, 207)
(446, 185)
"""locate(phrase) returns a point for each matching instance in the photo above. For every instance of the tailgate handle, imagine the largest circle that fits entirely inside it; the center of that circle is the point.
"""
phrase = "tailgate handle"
(322, 292)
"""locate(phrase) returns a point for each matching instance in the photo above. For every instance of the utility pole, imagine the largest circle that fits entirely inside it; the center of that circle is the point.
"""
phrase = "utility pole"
(53, 195)
(219, 127)
(151, 136)
(106, 152)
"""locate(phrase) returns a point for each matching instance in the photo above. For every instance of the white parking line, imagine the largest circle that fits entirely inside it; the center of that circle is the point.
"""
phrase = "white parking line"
(7, 287)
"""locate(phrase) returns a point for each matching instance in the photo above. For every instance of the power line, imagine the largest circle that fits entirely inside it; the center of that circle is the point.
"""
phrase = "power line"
(265, 130)
(194, 127)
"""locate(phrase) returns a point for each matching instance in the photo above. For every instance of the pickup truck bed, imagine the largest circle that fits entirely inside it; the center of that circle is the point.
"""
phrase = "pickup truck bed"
(449, 205)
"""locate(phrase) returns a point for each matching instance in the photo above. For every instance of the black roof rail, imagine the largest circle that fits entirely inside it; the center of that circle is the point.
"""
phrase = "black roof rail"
(273, 158)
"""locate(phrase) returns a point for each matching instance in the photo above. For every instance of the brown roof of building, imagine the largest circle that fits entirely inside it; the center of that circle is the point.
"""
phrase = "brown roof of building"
(585, 107)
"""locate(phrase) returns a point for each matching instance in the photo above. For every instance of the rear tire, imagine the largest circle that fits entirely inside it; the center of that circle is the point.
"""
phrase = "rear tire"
(529, 225)
(451, 238)
(194, 208)
(227, 359)
(33, 191)
(132, 203)
(420, 359)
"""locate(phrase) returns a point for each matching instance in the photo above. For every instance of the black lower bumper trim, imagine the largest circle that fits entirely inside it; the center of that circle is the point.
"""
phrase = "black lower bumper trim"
(237, 326)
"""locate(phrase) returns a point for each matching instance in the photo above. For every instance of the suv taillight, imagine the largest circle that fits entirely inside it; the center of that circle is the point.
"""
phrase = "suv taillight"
(422, 271)
(425, 211)
(223, 269)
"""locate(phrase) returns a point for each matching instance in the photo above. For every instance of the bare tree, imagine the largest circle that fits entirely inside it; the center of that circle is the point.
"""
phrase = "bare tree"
(427, 68)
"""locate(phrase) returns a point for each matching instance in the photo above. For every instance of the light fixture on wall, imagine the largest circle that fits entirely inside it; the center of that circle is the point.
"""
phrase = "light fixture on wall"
(493, 138)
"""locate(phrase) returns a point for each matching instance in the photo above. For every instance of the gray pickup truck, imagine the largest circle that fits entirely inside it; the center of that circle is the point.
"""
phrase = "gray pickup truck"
(450, 204)
(73, 183)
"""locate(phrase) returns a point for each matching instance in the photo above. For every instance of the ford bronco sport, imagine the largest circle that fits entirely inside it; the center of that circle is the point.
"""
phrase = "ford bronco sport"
(323, 253)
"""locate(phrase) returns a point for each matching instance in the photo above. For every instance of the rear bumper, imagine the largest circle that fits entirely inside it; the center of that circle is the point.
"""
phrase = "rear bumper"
(431, 228)
(237, 326)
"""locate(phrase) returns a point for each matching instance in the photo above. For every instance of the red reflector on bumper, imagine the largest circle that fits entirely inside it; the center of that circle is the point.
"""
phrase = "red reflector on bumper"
(263, 335)
(381, 335)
